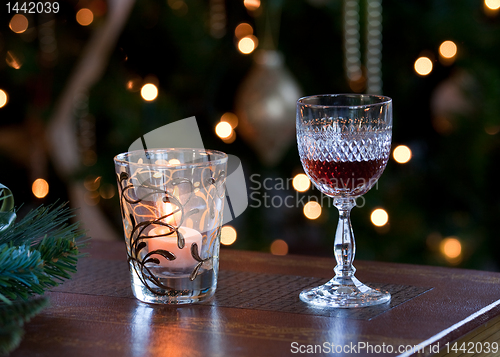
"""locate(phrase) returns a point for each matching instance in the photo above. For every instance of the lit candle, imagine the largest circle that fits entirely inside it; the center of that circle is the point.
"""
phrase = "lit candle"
(183, 258)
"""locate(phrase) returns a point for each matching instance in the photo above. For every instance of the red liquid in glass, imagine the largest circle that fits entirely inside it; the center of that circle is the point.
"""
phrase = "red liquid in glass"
(348, 177)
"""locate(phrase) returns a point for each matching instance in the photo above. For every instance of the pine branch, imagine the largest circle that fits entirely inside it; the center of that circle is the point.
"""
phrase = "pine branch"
(37, 253)
(12, 318)
(41, 222)
(20, 272)
(59, 257)
(39, 262)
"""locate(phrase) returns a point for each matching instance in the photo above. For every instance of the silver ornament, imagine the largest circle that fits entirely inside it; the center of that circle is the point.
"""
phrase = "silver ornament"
(265, 105)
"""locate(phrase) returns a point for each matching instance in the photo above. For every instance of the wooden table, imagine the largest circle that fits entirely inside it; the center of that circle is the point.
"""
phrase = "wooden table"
(256, 311)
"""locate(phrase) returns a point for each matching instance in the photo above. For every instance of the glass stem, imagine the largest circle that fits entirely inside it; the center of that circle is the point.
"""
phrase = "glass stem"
(344, 246)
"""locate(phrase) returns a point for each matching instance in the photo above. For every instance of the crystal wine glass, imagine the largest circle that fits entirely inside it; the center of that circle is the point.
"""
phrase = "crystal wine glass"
(344, 141)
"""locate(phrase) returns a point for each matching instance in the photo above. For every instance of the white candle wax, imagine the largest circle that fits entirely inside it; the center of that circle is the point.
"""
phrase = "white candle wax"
(183, 258)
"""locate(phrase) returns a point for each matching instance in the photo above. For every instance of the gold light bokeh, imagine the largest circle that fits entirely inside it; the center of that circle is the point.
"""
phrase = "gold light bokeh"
(423, 66)
(107, 191)
(4, 98)
(301, 183)
(230, 118)
(92, 198)
(19, 23)
(492, 129)
(130, 85)
(402, 154)
(134, 84)
(451, 248)
(230, 139)
(279, 247)
(251, 4)
(492, 4)
(40, 188)
(243, 30)
(312, 210)
(149, 92)
(223, 130)
(379, 217)
(92, 183)
(84, 17)
(179, 6)
(247, 44)
(448, 49)
(12, 60)
(228, 235)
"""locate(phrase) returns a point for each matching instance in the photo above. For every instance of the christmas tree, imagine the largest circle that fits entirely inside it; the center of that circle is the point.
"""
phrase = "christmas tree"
(36, 254)
(73, 82)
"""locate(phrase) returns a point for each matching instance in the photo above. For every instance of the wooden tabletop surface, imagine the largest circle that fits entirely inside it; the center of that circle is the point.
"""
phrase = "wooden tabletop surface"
(256, 311)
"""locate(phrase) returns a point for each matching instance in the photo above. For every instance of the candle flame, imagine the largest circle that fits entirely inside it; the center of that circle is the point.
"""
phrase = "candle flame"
(165, 209)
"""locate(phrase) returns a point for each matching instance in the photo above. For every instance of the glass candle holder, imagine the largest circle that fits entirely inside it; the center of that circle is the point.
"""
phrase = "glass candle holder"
(172, 202)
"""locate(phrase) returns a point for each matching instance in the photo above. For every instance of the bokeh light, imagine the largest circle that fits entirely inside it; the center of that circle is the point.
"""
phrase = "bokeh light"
(251, 5)
(492, 129)
(179, 6)
(92, 183)
(84, 17)
(12, 60)
(18, 23)
(230, 118)
(379, 217)
(492, 4)
(92, 198)
(40, 188)
(228, 235)
(247, 44)
(4, 98)
(451, 248)
(279, 247)
(243, 30)
(107, 191)
(223, 130)
(448, 49)
(230, 139)
(312, 210)
(134, 84)
(423, 66)
(402, 154)
(149, 92)
(301, 182)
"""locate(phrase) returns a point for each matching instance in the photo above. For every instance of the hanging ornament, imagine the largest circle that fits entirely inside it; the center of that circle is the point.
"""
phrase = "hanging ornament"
(265, 105)
(368, 77)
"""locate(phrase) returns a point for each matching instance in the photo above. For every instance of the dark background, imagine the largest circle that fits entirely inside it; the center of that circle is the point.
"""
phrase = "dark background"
(447, 189)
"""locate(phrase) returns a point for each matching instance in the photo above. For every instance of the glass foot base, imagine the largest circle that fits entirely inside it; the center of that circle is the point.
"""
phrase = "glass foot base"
(344, 293)
(171, 289)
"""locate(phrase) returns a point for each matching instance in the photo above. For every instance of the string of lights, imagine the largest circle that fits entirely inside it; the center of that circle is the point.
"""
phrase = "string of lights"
(352, 52)
(374, 47)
